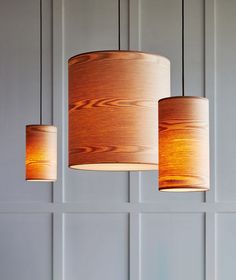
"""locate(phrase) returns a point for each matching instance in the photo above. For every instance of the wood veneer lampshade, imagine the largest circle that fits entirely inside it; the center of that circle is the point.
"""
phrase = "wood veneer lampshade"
(183, 144)
(112, 109)
(41, 153)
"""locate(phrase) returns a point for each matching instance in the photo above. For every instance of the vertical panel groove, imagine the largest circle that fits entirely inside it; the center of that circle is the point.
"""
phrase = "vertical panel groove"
(134, 25)
(134, 177)
(134, 247)
(58, 94)
(124, 24)
(210, 60)
(134, 227)
(210, 251)
(58, 245)
(58, 118)
(210, 89)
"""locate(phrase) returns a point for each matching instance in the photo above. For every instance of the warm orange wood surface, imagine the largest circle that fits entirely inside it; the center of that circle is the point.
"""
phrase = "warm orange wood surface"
(184, 144)
(41, 153)
(113, 109)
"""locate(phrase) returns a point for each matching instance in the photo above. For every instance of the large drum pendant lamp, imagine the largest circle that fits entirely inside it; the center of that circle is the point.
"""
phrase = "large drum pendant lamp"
(41, 141)
(183, 140)
(184, 144)
(113, 98)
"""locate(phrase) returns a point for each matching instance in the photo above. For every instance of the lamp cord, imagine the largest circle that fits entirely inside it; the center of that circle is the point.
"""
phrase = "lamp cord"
(183, 81)
(41, 62)
(119, 25)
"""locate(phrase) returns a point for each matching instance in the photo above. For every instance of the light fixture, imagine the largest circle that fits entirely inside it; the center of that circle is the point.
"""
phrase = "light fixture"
(113, 99)
(183, 140)
(112, 108)
(41, 153)
(41, 141)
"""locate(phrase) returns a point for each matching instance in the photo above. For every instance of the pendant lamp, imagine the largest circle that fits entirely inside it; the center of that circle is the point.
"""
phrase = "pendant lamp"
(41, 141)
(183, 140)
(112, 109)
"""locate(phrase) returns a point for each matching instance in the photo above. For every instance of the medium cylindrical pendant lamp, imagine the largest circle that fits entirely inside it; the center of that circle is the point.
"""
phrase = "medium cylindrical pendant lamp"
(183, 144)
(112, 109)
(41, 153)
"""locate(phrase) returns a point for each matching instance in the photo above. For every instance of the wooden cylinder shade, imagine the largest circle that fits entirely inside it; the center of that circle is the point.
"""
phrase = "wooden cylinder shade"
(184, 144)
(112, 109)
(41, 153)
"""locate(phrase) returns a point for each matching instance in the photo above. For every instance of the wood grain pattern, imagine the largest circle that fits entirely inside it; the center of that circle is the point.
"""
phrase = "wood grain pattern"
(184, 144)
(41, 153)
(113, 99)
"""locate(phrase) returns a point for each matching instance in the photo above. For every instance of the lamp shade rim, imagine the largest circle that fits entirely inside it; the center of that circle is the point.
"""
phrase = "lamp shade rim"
(102, 52)
(182, 97)
(115, 166)
(183, 189)
(40, 180)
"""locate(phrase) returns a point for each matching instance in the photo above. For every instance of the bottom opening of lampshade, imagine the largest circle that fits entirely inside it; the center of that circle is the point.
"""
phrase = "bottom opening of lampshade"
(184, 189)
(40, 180)
(116, 166)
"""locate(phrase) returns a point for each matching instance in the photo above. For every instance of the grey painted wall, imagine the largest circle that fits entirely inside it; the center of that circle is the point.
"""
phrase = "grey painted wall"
(101, 225)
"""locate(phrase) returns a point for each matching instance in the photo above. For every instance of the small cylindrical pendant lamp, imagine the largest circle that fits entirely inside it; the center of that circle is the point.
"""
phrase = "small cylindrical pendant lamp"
(41, 153)
(183, 144)
(112, 109)
(41, 140)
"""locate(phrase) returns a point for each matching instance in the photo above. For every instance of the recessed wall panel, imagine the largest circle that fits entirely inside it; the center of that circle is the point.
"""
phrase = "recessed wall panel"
(26, 246)
(225, 100)
(160, 31)
(89, 186)
(226, 246)
(96, 27)
(172, 246)
(96, 246)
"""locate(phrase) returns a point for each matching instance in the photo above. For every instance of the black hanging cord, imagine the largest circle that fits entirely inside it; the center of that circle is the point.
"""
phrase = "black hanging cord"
(183, 82)
(41, 62)
(119, 25)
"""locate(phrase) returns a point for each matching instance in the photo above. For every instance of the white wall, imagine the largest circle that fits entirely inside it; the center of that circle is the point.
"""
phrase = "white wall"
(102, 225)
